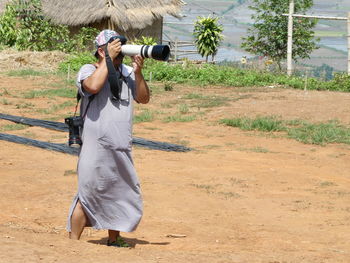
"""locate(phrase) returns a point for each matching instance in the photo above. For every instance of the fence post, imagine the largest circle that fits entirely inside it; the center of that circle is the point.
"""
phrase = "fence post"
(176, 49)
(290, 39)
(349, 43)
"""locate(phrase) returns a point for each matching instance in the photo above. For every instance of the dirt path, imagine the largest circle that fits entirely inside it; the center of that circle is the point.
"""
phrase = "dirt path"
(238, 197)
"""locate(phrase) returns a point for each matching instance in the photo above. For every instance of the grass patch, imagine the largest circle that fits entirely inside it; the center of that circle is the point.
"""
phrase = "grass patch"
(60, 92)
(144, 116)
(29, 134)
(5, 92)
(184, 109)
(180, 118)
(26, 73)
(206, 101)
(321, 133)
(69, 172)
(25, 105)
(55, 108)
(191, 96)
(156, 89)
(308, 133)
(265, 124)
(5, 102)
(259, 150)
(13, 127)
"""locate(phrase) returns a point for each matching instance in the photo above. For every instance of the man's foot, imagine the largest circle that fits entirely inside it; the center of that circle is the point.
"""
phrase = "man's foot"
(118, 243)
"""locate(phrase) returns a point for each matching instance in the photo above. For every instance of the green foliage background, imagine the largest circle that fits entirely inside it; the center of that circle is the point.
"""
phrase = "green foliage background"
(268, 35)
(24, 27)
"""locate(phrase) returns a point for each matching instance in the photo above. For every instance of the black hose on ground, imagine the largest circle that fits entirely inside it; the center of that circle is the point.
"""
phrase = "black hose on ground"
(63, 148)
(58, 126)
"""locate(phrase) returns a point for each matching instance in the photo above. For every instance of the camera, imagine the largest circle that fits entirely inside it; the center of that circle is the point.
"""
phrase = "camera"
(75, 124)
(157, 52)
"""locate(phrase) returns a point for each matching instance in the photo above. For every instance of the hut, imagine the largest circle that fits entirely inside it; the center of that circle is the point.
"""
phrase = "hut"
(132, 18)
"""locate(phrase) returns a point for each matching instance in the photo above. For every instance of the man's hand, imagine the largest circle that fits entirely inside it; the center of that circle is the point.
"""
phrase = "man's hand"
(114, 48)
(137, 63)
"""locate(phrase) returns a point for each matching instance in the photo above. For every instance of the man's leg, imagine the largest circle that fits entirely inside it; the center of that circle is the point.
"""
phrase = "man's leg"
(112, 235)
(78, 222)
(115, 240)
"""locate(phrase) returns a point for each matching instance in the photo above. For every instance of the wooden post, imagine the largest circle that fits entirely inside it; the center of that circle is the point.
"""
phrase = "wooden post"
(290, 39)
(349, 43)
(176, 49)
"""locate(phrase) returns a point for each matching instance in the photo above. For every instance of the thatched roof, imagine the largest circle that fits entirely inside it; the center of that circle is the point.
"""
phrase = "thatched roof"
(127, 14)
(3, 5)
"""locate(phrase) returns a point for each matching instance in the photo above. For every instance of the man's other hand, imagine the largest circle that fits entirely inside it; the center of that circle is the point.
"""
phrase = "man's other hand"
(114, 48)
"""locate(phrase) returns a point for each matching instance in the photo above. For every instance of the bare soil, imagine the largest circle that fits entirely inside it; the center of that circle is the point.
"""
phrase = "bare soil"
(237, 197)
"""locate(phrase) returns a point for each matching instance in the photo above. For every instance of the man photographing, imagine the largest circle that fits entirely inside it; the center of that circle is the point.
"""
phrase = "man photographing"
(109, 194)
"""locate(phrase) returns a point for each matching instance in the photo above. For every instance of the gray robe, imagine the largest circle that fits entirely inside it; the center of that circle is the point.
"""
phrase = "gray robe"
(108, 187)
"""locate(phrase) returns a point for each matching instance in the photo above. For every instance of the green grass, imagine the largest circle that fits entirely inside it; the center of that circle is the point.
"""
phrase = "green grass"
(259, 149)
(59, 92)
(179, 118)
(4, 92)
(26, 73)
(266, 124)
(184, 109)
(25, 105)
(230, 75)
(56, 107)
(5, 102)
(69, 172)
(12, 127)
(191, 96)
(309, 133)
(321, 133)
(144, 116)
(202, 101)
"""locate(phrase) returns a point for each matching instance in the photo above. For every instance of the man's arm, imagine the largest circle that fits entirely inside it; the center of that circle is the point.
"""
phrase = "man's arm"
(95, 82)
(142, 90)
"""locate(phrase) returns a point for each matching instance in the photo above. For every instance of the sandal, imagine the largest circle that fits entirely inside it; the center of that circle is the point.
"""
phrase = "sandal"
(118, 243)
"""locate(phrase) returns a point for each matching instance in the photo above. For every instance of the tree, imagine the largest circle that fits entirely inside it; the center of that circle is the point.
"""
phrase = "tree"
(207, 33)
(268, 35)
(24, 26)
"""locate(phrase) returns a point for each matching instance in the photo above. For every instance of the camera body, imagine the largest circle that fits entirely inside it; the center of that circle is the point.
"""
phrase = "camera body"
(157, 52)
(75, 124)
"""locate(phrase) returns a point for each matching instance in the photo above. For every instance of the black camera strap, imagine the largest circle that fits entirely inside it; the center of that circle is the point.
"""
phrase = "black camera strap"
(91, 97)
(114, 77)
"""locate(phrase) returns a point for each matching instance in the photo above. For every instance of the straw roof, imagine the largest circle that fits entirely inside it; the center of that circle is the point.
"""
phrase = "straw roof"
(132, 14)
(3, 5)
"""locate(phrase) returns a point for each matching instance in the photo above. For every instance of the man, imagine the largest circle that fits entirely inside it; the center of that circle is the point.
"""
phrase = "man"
(108, 189)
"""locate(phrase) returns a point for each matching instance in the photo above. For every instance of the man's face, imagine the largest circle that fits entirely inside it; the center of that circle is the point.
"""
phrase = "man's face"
(117, 61)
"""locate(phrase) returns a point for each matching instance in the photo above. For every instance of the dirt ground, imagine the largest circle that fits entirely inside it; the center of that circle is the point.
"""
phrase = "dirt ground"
(237, 197)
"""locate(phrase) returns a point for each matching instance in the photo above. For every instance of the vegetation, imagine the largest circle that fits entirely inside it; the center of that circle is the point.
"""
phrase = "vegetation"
(24, 26)
(232, 76)
(207, 33)
(145, 41)
(310, 133)
(268, 35)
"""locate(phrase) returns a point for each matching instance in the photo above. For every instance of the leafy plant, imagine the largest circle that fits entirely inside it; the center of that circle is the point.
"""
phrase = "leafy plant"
(268, 34)
(168, 86)
(145, 41)
(75, 61)
(24, 26)
(207, 33)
